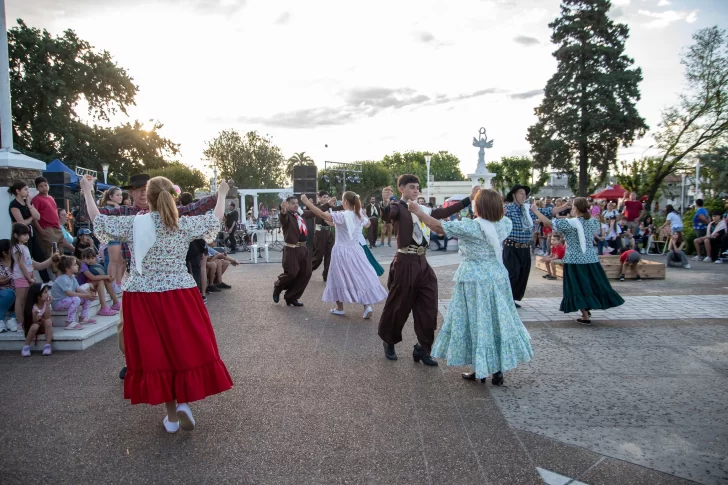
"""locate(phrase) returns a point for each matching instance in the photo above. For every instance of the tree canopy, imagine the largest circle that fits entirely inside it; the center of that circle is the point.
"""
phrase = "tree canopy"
(187, 178)
(250, 160)
(698, 123)
(588, 108)
(515, 170)
(50, 78)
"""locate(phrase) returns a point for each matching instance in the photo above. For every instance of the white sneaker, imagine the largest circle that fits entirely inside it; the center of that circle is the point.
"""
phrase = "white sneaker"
(707, 260)
(687, 266)
(26, 351)
(170, 427)
(718, 261)
(642, 251)
(696, 258)
(368, 312)
(12, 325)
(3, 329)
(47, 349)
(334, 311)
(184, 415)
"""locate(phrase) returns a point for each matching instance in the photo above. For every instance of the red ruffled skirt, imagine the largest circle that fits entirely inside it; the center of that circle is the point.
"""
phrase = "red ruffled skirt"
(170, 348)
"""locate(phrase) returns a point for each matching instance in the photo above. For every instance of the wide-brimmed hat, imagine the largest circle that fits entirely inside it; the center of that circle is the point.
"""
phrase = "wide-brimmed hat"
(136, 181)
(509, 196)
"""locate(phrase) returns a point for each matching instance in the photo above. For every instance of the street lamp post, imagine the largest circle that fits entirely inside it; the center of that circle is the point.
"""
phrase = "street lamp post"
(105, 168)
(427, 161)
(682, 196)
(697, 180)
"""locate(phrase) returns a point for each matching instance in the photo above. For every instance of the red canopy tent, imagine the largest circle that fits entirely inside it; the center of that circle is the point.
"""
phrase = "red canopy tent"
(610, 193)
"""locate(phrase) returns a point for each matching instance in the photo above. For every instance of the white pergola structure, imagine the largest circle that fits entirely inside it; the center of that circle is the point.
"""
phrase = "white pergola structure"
(254, 192)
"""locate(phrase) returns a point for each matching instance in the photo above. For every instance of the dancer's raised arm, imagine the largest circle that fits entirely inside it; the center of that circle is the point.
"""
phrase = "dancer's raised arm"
(87, 188)
(316, 211)
(434, 224)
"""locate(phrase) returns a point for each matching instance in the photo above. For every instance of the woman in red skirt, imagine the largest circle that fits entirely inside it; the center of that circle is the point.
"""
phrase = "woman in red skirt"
(170, 348)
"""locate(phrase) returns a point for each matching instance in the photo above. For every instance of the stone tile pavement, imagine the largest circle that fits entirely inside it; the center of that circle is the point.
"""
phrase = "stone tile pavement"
(631, 402)
(634, 308)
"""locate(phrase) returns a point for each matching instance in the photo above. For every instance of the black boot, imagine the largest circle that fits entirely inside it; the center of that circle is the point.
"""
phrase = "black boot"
(122, 374)
(498, 379)
(276, 294)
(389, 351)
(294, 303)
(470, 376)
(419, 354)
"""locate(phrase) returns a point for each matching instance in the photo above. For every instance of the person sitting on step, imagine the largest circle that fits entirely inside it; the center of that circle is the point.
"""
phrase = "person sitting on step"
(557, 255)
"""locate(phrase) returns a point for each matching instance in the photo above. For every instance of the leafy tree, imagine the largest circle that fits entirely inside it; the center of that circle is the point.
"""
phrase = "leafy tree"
(188, 178)
(444, 166)
(298, 159)
(698, 123)
(637, 175)
(250, 160)
(49, 77)
(715, 168)
(588, 108)
(515, 170)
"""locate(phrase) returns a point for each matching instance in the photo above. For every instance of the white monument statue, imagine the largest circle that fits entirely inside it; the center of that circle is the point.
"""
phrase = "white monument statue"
(482, 177)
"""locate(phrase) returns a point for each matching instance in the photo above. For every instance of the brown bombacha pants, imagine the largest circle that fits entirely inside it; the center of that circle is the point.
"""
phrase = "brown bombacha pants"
(296, 273)
(412, 287)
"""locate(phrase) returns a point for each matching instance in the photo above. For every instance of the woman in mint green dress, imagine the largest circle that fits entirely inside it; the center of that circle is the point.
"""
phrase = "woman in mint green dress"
(482, 327)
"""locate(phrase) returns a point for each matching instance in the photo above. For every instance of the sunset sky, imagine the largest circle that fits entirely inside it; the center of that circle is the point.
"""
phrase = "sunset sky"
(366, 78)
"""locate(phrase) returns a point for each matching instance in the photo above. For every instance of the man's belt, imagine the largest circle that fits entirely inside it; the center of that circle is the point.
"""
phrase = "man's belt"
(509, 242)
(412, 249)
(297, 245)
(322, 227)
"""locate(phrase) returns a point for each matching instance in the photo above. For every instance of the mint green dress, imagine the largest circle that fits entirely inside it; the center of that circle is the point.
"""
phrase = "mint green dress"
(482, 327)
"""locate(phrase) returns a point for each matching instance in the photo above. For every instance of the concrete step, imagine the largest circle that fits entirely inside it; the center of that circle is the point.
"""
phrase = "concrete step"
(65, 339)
(58, 317)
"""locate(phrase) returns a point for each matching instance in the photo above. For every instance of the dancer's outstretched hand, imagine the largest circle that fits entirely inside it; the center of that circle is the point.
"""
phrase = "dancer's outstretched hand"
(386, 193)
(223, 188)
(87, 183)
(413, 207)
(474, 192)
(305, 199)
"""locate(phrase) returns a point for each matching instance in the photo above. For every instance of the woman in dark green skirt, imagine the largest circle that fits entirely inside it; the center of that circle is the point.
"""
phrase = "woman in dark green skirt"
(586, 286)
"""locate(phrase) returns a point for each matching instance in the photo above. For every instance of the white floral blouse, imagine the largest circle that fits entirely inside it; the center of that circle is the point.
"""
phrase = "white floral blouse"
(164, 267)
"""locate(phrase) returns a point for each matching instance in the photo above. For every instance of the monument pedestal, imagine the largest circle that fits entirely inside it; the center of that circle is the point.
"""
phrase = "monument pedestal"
(14, 166)
(482, 179)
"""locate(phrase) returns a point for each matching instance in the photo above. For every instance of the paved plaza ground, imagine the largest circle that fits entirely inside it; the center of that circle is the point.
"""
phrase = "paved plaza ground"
(639, 398)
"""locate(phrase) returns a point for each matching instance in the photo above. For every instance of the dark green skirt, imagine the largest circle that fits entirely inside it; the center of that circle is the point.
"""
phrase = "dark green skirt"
(377, 267)
(586, 286)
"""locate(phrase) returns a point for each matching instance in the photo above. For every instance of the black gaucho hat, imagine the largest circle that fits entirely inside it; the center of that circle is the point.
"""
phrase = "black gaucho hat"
(509, 196)
(136, 181)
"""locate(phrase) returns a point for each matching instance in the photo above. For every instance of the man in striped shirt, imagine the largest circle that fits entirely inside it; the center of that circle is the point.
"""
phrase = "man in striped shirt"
(516, 247)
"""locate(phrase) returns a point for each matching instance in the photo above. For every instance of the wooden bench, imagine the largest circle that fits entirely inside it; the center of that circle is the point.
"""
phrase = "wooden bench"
(612, 267)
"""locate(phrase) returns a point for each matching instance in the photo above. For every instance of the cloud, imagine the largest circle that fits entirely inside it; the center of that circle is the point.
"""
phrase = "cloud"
(526, 40)
(663, 19)
(425, 37)
(663, 3)
(527, 94)
(44, 8)
(283, 18)
(620, 3)
(360, 103)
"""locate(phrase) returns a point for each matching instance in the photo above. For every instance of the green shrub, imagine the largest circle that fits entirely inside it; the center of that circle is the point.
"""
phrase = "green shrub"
(713, 205)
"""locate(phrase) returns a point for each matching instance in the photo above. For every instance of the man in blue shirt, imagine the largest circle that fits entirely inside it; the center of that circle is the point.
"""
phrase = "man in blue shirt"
(516, 247)
(700, 219)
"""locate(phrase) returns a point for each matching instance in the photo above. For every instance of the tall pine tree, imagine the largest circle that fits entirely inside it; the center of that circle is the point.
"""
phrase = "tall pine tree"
(588, 108)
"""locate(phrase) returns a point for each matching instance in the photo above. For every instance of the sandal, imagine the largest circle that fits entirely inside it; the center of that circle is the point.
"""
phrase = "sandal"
(583, 322)
(116, 306)
(73, 326)
(107, 312)
(90, 321)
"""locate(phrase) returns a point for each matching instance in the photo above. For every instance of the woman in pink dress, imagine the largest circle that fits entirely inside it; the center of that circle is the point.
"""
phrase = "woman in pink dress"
(351, 278)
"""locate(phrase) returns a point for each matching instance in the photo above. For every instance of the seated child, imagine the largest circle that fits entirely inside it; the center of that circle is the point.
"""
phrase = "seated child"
(84, 241)
(93, 273)
(629, 257)
(67, 294)
(557, 254)
(37, 312)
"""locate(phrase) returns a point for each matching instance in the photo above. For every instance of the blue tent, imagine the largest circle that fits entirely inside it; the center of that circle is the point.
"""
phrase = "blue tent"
(58, 166)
